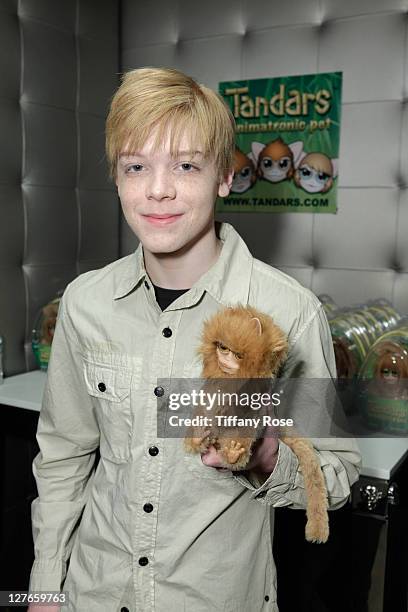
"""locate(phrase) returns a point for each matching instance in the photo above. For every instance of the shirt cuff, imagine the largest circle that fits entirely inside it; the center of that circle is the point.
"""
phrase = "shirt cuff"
(272, 491)
(47, 575)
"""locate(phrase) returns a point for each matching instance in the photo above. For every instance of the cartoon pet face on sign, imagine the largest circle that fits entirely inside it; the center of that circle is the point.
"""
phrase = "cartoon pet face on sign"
(276, 160)
(244, 172)
(315, 173)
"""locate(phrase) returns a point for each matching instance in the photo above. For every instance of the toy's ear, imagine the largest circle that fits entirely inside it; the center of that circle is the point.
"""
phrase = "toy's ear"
(297, 150)
(335, 166)
(280, 347)
(258, 325)
(256, 150)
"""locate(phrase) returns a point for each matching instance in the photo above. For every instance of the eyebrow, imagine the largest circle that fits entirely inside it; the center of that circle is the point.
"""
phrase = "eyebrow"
(128, 154)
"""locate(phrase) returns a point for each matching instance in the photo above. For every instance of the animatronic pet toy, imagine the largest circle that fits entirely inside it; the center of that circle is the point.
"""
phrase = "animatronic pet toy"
(243, 343)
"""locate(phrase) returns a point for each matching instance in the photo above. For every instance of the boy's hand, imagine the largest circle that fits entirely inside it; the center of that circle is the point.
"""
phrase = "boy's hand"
(263, 458)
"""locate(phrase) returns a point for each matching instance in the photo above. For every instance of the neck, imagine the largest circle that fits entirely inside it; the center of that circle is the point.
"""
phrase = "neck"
(183, 268)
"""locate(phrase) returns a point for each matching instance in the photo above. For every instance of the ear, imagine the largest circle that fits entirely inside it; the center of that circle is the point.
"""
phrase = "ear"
(328, 185)
(335, 166)
(225, 184)
(256, 150)
(299, 158)
(258, 325)
(297, 150)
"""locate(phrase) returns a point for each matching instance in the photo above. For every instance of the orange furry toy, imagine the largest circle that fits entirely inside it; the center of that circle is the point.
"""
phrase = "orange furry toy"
(243, 343)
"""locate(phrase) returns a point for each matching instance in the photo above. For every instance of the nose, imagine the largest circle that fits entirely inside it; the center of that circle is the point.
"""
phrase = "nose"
(160, 186)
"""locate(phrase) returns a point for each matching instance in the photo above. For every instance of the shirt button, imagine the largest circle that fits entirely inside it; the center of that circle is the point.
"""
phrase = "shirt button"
(261, 494)
(124, 610)
(148, 507)
(102, 387)
(159, 391)
(167, 332)
(266, 597)
(153, 451)
(143, 561)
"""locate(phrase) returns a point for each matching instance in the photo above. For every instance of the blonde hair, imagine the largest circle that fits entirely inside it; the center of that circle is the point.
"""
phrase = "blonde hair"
(169, 100)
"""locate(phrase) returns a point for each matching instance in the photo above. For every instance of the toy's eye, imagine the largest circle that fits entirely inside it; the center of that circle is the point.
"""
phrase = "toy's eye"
(238, 355)
(224, 349)
(245, 172)
(267, 163)
(284, 162)
(305, 172)
(322, 176)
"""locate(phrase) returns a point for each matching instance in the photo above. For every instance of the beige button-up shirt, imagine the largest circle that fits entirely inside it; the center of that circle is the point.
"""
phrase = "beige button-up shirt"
(153, 528)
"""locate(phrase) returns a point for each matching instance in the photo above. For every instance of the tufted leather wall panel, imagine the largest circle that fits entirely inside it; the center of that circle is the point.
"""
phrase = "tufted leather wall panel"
(362, 252)
(59, 213)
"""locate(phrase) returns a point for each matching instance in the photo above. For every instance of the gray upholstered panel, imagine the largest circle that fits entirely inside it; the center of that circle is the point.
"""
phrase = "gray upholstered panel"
(362, 252)
(59, 212)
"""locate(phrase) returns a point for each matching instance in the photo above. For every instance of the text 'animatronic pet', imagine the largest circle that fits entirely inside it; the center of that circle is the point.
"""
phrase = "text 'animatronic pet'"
(243, 343)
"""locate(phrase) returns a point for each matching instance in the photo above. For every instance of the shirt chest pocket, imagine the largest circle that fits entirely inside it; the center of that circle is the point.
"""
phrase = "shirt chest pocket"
(110, 388)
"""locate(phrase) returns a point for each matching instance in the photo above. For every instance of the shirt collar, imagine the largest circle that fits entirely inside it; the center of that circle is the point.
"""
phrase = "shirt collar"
(227, 281)
(133, 274)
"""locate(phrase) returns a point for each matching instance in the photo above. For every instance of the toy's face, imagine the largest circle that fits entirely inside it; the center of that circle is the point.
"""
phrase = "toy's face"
(242, 180)
(392, 367)
(311, 180)
(275, 162)
(50, 328)
(228, 361)
(244, 173)
(275, 170)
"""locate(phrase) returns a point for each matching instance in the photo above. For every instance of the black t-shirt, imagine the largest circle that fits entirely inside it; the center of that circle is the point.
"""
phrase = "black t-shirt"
(164, 297)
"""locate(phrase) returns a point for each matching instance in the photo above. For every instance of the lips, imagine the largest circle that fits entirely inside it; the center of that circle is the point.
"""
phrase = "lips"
(162, 219)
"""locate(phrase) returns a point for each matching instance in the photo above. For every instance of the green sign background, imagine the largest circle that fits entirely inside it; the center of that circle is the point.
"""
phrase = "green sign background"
(319, 133)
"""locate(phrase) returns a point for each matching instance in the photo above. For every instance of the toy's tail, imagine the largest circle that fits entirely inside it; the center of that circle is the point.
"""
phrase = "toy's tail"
(317, 526)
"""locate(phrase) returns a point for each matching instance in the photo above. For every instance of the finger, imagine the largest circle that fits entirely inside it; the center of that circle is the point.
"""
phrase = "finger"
(211, 458)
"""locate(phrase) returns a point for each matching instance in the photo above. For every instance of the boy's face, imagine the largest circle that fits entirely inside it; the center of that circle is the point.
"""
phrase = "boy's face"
(169, 202)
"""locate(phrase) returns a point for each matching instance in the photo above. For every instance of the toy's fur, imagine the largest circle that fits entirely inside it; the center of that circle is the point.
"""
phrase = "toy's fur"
(260, 348)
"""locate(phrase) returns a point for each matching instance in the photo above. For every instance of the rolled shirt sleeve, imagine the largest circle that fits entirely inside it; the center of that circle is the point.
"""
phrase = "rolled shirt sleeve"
(68, 436)
(311, 356)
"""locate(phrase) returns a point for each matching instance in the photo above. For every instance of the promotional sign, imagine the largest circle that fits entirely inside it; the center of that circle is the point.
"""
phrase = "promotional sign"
(287, 143)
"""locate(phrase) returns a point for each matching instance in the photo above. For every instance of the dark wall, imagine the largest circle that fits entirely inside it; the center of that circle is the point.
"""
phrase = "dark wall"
(59, 213)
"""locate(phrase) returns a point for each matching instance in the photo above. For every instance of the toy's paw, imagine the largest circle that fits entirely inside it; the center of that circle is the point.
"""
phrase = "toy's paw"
(233, 453)
(198, 444)
(317, 531)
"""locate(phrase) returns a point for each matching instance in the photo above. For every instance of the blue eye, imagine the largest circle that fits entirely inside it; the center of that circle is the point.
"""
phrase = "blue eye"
(186, 166)
(134, 168)
(305, 172)
(322, 176)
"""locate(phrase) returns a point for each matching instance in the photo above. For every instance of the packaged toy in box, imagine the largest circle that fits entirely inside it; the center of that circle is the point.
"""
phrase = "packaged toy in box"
(43, 333)
(383, 382)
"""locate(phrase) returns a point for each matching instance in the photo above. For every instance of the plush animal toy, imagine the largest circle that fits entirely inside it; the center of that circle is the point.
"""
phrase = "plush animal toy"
(243, 343)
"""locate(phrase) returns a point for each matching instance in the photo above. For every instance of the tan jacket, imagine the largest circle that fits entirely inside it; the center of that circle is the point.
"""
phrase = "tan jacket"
(154, 529)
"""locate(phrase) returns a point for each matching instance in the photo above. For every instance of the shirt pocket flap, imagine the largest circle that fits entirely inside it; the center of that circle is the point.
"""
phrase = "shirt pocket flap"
(106, 382)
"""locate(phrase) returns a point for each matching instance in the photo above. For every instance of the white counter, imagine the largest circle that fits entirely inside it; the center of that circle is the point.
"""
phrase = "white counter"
(23, 390)
(381, 456)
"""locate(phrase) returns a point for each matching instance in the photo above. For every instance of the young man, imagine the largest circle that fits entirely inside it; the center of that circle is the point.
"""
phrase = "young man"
(154, 528)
